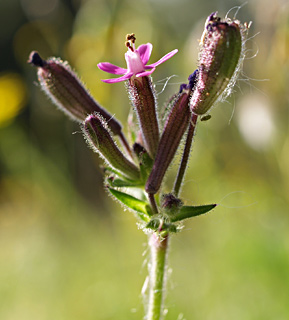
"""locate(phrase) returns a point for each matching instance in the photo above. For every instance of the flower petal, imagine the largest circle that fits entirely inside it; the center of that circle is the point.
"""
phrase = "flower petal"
(145, 73)
(125, 77)
(163, 59)
(145, 51)
(111, 68)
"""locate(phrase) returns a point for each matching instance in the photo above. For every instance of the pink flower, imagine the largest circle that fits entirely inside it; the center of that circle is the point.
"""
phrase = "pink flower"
(136, 60)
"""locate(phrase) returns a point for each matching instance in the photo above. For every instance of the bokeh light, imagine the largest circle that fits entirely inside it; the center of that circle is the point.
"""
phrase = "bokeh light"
(13, 96)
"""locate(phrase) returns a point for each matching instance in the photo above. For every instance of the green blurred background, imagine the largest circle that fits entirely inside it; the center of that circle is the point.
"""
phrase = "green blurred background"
(67, 251)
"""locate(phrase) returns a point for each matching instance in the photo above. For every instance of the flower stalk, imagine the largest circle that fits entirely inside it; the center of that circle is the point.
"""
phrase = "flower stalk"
(157, 276)
(185, 156)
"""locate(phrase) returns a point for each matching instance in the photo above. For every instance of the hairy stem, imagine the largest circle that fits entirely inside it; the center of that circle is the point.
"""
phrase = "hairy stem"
(153, 203)
(125, 144)
(157, 276)
(185, 157)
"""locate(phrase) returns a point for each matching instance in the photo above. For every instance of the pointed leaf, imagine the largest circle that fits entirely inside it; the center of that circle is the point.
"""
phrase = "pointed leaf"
(192, 211)
(142, 208)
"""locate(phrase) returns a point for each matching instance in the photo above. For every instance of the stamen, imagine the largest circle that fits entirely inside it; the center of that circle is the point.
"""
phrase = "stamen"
(128, 44)
(130, 40)
(131, 37)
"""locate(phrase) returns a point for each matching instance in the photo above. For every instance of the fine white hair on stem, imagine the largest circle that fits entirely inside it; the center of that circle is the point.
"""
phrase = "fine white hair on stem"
(77, 132)
(235, 207)
(253, 36)
(164, 82)
(252, 56)
(233, 111)
(237, 10)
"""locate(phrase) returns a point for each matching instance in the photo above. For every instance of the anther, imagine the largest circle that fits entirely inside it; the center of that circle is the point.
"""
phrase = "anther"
(131, 37)
(128, 45)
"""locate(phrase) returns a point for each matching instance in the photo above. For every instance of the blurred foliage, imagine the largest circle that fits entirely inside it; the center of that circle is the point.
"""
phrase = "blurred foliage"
(68, 251)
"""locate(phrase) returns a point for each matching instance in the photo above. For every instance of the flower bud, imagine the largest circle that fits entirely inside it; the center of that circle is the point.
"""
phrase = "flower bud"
(142, 96)
(170, 203)
(65, 89)
(145, 161)
(175, 126)
(220, 58)
(97, 133)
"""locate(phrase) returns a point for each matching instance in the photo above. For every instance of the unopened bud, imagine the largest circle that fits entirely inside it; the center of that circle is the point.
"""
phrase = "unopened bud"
(64, 88)
(220, 58)
(97, 133)
(145, 161)
(143, 99)
(170, 203)
(175, 126)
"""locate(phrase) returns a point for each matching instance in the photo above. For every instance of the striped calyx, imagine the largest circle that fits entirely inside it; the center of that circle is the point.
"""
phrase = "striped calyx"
(143, 99)
(67, 92)
(175, 127)
(220, 58)
(98, 136)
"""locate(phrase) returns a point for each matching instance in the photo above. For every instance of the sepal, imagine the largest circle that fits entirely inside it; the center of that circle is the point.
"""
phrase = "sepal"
(157, 224)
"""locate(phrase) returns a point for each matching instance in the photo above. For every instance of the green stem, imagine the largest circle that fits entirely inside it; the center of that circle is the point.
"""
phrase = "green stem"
(185, 157)
(157, 275)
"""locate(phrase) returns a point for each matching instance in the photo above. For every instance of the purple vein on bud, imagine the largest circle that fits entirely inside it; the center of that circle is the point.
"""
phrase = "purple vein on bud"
(98, 136)
(175, 126)
(142, 96)
(64, 88)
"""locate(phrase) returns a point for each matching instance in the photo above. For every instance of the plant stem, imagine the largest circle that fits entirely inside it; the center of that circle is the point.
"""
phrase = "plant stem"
(125, 144)
(185, 157)
(153, 203)
(157, 275)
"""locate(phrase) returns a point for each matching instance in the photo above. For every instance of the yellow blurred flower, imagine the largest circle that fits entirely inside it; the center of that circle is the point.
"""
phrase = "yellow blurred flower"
(13, 96)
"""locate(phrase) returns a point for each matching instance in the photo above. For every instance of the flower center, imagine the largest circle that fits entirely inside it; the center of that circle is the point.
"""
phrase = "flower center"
(132, 57)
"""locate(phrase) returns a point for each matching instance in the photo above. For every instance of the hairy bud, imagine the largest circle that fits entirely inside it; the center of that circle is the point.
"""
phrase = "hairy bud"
(97, 133)
(220, 58)
(170, 203)
(175, 126)
(142, 96)
(64, 88)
